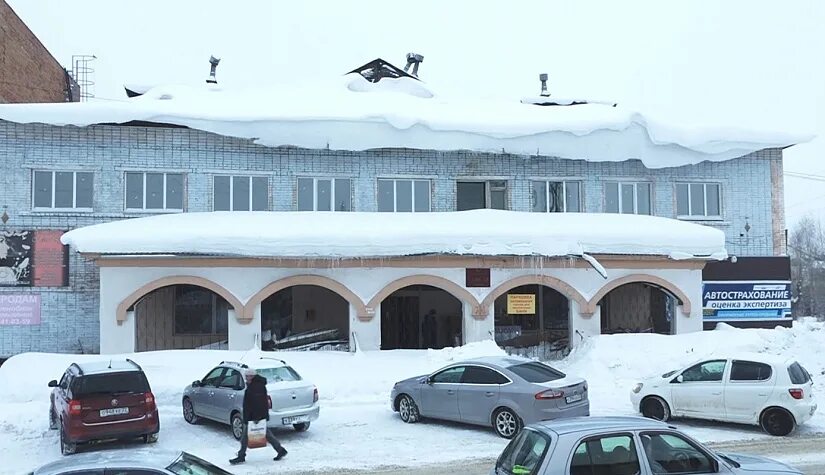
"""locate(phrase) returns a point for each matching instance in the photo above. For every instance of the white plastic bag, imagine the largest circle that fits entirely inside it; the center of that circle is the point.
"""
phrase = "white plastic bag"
(256, 433)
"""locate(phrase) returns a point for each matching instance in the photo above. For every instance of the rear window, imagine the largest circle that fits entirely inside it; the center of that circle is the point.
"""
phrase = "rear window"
(110, 383)
(274, 375)
(524, 454)
(536, 372)
(799, 375)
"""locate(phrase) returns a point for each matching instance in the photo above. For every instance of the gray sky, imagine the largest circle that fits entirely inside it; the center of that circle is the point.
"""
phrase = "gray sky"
(743, 63)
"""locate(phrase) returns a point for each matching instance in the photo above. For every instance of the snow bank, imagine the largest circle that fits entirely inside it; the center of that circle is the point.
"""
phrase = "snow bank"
(351, 113)
(477, 232)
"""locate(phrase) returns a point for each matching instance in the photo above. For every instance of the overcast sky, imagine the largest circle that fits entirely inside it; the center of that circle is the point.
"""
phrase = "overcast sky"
(745, 63)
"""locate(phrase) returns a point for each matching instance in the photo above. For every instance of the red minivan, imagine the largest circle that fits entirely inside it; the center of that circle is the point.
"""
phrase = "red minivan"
(103, 400)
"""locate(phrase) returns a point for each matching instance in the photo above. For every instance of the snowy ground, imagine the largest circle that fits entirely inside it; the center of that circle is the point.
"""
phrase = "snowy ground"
(357, 429)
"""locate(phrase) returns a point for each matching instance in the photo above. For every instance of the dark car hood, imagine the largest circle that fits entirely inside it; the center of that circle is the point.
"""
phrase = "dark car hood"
(756, 464)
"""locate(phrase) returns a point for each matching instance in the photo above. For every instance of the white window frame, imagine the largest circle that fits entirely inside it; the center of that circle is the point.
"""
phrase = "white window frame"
(635, 195)
(487, 189)
(690, 215)
(232, 190)
(165, 209)
(563, 195)
(413, 180)
(331, 192)
(54, 182)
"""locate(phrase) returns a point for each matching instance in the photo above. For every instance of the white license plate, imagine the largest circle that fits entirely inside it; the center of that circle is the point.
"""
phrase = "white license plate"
(295, 420)
(114, 412)
(573, 398)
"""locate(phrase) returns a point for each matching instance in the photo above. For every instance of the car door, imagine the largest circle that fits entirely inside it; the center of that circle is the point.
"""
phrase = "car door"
(747, 389)
(439, 397)
(613, 453)
(478, 394)
(699, 390)
(203, 396)
(59, 397)
(226, 397)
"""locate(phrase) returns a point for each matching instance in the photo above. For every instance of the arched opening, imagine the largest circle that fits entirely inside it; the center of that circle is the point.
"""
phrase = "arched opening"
(638, 307)
(305, 317)
(420, 317)
(181, 316)
(533, 320)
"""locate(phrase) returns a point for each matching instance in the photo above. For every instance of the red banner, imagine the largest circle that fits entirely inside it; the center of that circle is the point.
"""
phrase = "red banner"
(50, 266)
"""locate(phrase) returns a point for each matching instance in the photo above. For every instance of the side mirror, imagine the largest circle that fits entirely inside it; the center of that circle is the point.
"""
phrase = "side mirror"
(53, 383)
(429, 380)
(196, 384)
(680, 379)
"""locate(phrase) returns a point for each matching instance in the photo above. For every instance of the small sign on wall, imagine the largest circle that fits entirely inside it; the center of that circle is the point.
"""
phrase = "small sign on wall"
(19, 309)
(521, 304)
(477, 277)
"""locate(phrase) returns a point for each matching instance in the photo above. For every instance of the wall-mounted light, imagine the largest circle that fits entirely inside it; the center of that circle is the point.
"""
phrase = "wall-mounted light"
(5, 216)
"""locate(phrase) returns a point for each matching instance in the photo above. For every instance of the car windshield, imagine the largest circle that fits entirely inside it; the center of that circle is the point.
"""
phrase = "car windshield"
(798, 374)
(187, 464)
(275, 375)
(110, 383)
(536, 372)
(524, 454)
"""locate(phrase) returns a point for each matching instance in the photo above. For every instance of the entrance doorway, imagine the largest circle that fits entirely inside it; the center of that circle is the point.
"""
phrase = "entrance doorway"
(638, 307)
(533, 320)
(420, 317)
(305, 317)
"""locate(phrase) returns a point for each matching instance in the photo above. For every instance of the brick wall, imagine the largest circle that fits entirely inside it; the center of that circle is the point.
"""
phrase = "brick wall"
(69, 314)
(28, 72)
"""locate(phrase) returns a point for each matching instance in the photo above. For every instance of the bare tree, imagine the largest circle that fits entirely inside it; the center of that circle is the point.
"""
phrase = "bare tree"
(807, 251)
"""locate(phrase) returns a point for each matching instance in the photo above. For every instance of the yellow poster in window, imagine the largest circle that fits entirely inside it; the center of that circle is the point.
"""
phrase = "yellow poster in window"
(521, 304)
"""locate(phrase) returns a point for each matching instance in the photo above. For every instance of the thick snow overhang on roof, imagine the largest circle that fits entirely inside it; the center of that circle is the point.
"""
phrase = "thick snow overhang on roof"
(343, 235)
(351, 113)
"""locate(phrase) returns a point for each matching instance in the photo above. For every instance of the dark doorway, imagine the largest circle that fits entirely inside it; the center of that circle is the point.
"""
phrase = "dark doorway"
(419, 317)
(545, 326)
(638, 308)
(305, 317)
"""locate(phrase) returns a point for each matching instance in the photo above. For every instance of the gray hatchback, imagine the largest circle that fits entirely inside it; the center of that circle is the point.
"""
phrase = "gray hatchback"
(503, 391)
(620, 446)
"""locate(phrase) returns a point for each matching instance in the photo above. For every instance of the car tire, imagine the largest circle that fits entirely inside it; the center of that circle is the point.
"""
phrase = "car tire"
(237, 425)
(777, 422)
(150, 438)
(189, 412)
(654, 407)
(302, 427)
(507, 423)
(53, 423)
(408, 409)
(66, 447)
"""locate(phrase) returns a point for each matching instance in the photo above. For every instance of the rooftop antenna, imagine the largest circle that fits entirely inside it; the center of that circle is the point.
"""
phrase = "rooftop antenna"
(413, 59)
(213, 62)
(110, 363)
(543, 79)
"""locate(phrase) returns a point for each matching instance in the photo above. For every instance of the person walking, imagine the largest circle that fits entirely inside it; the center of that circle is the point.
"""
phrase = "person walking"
(256, 408)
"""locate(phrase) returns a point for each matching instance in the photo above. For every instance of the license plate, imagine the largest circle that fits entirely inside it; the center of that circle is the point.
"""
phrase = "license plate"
(295, 420)
(114, 412)
(573, 398)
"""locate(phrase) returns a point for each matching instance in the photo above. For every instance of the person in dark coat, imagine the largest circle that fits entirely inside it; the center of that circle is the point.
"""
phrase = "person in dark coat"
(256, 408)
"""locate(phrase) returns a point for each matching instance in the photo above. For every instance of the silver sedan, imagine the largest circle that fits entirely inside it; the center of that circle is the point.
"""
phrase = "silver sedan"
(505, 392)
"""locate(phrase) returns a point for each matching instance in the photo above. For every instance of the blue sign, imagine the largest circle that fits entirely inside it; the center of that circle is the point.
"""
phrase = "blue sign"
(743, 301)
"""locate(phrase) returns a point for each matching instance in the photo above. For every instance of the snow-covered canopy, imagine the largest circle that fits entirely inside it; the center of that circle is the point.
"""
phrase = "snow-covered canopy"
(351, 113)
(361, 235)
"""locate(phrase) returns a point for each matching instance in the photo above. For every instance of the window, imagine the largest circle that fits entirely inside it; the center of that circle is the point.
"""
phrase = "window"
(798, 374)
(524, 454)
(672, 453)
(283, 373)
(606, 455)
(481, 194)
(536, 372)
(556, 196)
(709, 371)
(154, 191)
(213, 377)
(324, 194)
(232, 379)
(450, 375)
(63, 190)
(404, 195)
(199, 311)
(627, 198)
(750, 371)
(479, 375)
(698, 200)
(122, 382)
(240, 193)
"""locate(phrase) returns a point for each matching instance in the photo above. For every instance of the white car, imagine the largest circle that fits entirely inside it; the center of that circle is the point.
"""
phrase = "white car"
(773, 392)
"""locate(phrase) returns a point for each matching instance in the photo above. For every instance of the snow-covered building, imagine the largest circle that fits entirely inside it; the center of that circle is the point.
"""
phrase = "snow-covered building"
(327, 214)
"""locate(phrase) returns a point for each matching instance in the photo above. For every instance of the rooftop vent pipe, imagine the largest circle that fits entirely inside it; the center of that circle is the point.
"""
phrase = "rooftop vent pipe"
(413, 60)
(543, 79)
(213, 61)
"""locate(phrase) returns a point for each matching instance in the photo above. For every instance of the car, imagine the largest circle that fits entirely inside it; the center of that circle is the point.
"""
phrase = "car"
(503, 391)
(102, 400)
(773, 392)
(219, 395)
(92, 464)
(620, 446)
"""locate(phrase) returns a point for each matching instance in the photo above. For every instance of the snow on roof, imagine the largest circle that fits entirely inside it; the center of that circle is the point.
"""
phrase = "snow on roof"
(351, 113)
(297, 234)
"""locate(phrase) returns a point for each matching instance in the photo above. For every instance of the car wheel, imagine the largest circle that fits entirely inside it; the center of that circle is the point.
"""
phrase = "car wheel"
(777, 422)
(408, 409)
(506, 423)
(150, 438)
(66, 447)
(654, 407)
(237, 425)
(189, 411)
(52, 419)
(302, 427)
